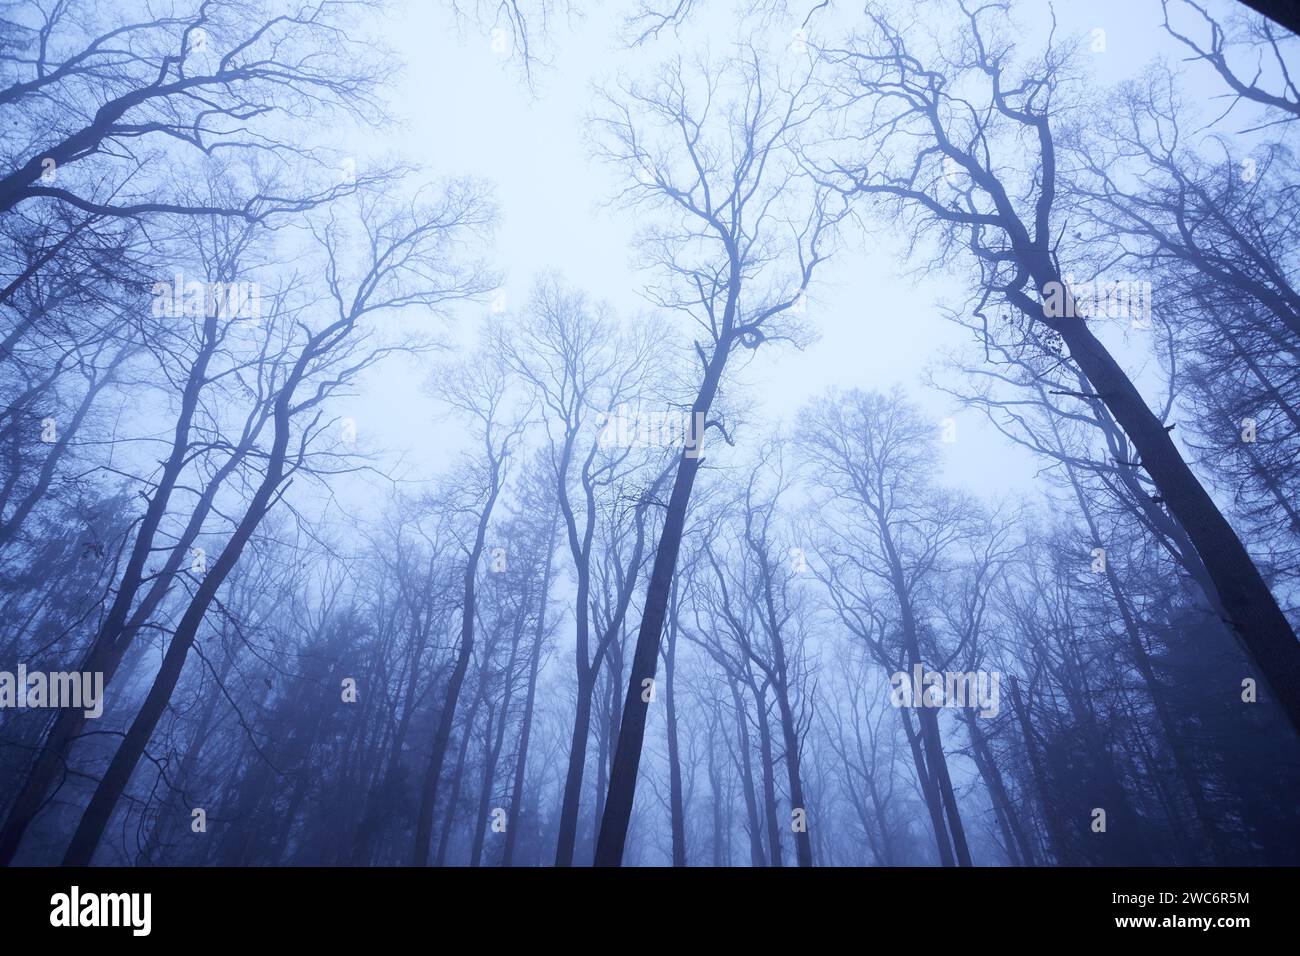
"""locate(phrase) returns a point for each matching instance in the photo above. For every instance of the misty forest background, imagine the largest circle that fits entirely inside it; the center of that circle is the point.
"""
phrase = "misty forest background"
(341, 660)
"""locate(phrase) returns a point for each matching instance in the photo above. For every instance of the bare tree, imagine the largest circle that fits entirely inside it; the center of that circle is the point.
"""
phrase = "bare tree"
(743, 234)
(979, 169)
(411, 263)
(480, 390)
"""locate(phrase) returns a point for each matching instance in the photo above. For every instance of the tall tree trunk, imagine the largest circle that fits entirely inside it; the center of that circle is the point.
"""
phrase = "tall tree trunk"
(775, 857)
(1008, 817)
(113, 636)
(756, 857)
(429, 792)
(1142, 661)
(372, 821)
(568, 834)
(526, 727)
(106, 796)
(938, 762)
(676, 810)
(1061, 847)
(645, 657)
(587, 670)
(457, 781)
(721, 814)
(887, 854)
(498, 739)
(931, 737)
(930, 791)
(1252, 611)
(802, 842)
(173, 809)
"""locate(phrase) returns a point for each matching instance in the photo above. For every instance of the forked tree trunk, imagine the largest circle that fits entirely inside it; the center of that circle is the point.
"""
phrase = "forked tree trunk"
(929, 790)
(109, 792)
(111, 640)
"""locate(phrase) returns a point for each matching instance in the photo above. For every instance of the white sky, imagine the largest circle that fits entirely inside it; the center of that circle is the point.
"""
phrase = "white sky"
(467, 112)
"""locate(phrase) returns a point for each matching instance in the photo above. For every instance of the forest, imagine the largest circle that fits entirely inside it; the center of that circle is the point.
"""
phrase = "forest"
(515, 433)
